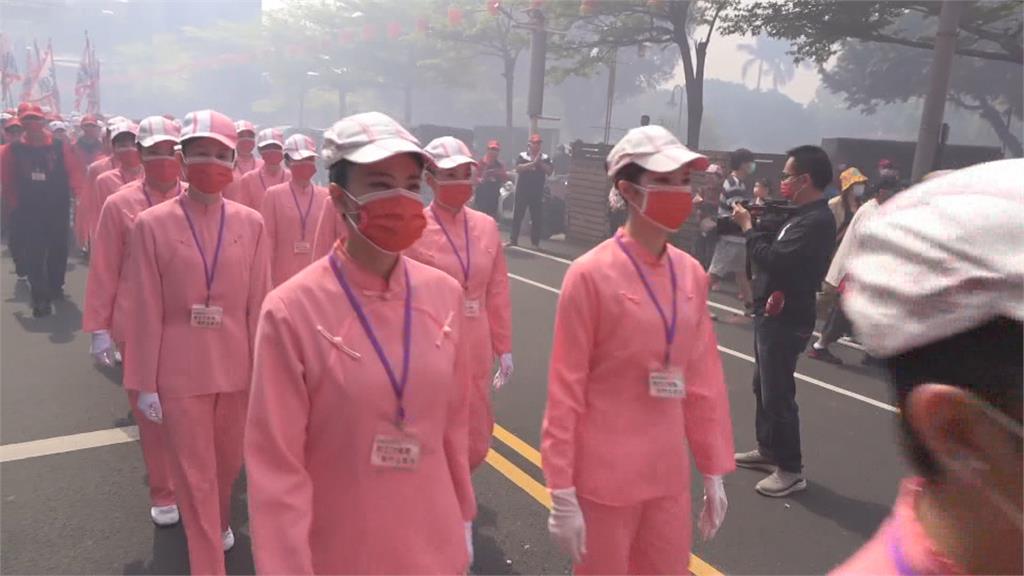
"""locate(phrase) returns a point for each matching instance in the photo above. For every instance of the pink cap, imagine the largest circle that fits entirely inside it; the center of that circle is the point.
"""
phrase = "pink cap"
(654, 148)
(368, 137)
(156, 129)
(209, 124)
(449, 152)
(245, 126)
(300, 147)
(270, 136)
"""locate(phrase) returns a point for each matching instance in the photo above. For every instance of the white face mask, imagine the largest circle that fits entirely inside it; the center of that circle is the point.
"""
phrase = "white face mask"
(858, 190)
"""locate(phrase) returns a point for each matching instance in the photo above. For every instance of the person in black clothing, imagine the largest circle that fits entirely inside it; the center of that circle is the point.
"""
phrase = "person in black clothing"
(533, 167)
(487, 196)
(788, 264)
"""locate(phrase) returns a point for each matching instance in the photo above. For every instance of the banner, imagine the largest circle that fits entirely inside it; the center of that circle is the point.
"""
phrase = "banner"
(41, 85)
(87, 85)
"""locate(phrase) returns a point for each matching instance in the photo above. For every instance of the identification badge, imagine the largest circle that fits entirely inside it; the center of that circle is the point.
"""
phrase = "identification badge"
(471, 308)
(39, 176)
(302, 247)
(207, 316)
(667, 383)
(395, 450)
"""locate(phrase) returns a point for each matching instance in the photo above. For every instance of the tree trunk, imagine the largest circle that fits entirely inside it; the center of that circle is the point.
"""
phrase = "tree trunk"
(1010, 141)
(510, 83)
(760, 68)
(679, 14)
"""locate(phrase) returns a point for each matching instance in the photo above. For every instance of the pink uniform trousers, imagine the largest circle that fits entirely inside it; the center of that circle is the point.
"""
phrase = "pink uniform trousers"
(204, 434)
(650, 537)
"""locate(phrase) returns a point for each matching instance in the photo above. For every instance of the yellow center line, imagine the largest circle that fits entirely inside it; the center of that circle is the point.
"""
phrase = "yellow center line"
(517, 476)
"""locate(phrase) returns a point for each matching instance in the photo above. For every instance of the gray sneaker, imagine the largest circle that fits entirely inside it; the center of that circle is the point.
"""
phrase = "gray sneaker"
(755, 461)
(781, 483)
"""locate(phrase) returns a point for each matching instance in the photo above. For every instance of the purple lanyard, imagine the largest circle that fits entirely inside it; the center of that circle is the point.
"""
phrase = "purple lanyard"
(670, 327)
(903, 567)
(398, 386)
(465, 225)
(150, 200)
(303, 216)
(207, 270)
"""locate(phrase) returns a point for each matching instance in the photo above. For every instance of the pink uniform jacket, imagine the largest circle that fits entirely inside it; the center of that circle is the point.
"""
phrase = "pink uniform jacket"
(603, 431)
(246, 164)
(254, 185)
(86, 212)
(108, 183)
(320, 396)
(104, 310)
(166, 276)
(290, 229)
(900, 540)
(330, 229)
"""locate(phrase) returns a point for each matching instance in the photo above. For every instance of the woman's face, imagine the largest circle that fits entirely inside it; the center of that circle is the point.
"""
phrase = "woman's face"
(399, 171)
(760, 190)
(460, 172)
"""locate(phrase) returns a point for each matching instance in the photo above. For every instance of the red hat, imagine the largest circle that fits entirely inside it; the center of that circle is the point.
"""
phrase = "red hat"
(13, 122)
(494, 145)
(27, 109)
(89, 120)
(536, 138)
(885, 163)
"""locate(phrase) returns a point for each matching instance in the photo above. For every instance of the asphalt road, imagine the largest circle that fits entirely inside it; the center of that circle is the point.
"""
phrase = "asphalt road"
(76, 504)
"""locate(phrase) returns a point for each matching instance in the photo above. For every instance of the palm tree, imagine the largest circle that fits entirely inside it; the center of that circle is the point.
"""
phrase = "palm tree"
(770, 57)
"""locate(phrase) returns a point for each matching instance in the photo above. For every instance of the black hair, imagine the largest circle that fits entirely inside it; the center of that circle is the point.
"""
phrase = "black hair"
(645, 120)
(988, 361)
(121, 137)
(739, 157)
(630, 173)
(813, 161)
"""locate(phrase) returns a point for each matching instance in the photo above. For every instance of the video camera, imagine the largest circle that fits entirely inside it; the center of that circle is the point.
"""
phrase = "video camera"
(769, 216)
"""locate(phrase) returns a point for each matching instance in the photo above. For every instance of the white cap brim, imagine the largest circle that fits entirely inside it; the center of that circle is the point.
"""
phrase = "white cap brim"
(302, 155)
(670, 159)
(223, 140)
(156, 139)
(263, 143)
(382, 149)
(453, 161)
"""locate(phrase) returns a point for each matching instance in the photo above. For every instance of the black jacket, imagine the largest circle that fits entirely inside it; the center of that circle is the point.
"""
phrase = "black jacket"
(793, 260)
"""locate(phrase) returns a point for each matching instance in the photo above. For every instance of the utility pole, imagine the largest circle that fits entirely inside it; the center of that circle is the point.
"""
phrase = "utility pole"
(538, 62)
(611, 94)
(935, 99)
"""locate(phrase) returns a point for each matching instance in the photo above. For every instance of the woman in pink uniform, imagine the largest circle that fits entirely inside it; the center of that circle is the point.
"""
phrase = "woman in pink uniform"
(329, 229)
(106, 311)
(129, 167)
(466, 245)
(245, 162)
(635, 381)
(356, 455)
(197, 273)
(254, 185)
(291, 210)
(87, 213)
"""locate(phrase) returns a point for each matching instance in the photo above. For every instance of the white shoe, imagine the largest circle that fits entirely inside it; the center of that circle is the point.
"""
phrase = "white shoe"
(229, 539)
(165, 515)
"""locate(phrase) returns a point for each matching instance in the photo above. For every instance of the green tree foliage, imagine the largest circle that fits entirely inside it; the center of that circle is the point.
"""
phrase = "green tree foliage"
(771, 58)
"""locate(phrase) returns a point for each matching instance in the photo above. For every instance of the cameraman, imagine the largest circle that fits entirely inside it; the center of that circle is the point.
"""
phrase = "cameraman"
(788, 261)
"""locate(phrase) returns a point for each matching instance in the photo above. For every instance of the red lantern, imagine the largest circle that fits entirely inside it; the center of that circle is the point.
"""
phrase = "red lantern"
(394, 30)
(586, 7)
(454, 16)
(369, 32)
(422, 25)
(493, 7)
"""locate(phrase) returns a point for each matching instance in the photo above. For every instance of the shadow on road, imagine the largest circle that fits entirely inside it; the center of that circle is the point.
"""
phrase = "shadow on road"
(490, 558)
(61, 325)
(850, 514)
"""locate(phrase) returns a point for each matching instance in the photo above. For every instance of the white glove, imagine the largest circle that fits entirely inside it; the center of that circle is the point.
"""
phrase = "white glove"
(715, 504)
(566, 525)
(149, 405)
(504, 373)
(469, 541)
(102, 348)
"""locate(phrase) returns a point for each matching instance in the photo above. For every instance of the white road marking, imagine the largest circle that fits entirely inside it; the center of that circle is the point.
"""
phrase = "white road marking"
(750, 359)
(71, 443)
(844, 341)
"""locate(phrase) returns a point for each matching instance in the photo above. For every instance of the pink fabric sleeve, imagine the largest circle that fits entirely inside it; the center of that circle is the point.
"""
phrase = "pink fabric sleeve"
(145, 327)
(326, 233)
(259, 282)
(499, 304)
(706, 407)
(456, 434)
(573, 342)
(105, 263)
(280, 488)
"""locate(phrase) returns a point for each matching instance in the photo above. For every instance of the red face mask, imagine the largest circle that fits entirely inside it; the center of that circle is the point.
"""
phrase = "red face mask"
(454, 193)
(392, 220)
(303, 171)
(128, 157)
(272, 157)
(668, 207)
(162, 168)
(246, 145)
(209, 175)
(786, 188)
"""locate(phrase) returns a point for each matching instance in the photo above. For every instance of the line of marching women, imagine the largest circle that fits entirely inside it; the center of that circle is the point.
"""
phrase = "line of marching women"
(345, 342)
